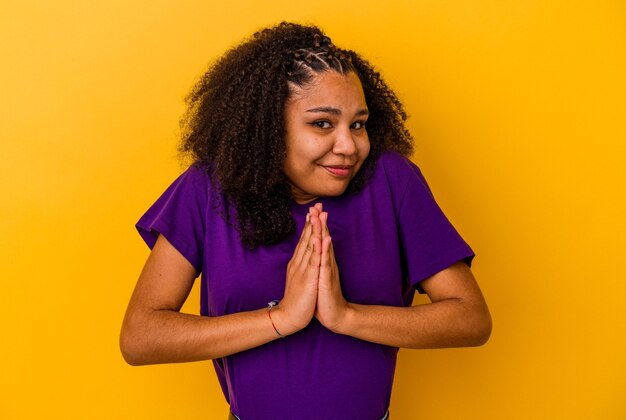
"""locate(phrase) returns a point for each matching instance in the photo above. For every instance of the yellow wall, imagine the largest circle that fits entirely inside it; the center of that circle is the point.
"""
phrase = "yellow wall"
(519, 111)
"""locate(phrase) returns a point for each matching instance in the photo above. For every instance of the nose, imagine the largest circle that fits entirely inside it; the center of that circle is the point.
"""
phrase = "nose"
(344, 142)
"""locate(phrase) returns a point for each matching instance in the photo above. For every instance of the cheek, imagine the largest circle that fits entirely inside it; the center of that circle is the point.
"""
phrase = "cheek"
(308, 152)
(299, 161)
(364, 149)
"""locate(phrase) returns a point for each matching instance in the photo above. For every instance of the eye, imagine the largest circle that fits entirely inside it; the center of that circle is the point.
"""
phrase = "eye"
(358, 125)
(321, 124)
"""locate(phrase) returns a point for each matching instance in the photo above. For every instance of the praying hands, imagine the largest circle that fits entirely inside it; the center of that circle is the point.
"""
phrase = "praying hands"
(313, 286)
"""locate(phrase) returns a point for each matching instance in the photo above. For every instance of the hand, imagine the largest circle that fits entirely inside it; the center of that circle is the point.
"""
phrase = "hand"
(332, 307)
(297, 307)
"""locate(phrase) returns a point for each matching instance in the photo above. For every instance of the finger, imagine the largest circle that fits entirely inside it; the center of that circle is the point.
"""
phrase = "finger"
(331, 250)
(326, 255)
(331, 256)
(314, 258)
(313, 248)
(303, 243)
(324, 221)
(306, 231)
(316, 223)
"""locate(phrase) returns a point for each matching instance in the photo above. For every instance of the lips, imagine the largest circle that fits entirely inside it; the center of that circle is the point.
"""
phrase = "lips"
(341, 171)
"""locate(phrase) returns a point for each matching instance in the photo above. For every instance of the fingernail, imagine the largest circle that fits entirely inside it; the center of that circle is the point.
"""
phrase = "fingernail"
(308, 217)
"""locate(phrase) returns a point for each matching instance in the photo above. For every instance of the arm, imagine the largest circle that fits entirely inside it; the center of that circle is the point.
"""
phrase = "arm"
(155, 331)
(458, 315)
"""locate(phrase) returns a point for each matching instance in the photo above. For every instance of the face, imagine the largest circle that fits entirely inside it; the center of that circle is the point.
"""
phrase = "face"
(326, 140)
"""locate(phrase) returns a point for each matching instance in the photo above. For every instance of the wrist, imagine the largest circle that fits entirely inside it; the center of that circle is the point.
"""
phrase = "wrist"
(280, 321)
(345, 325)
(272, 305)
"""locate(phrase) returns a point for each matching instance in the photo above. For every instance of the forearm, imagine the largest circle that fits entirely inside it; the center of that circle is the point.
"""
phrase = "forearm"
(167, 336)
(446, 323)
(154, 331)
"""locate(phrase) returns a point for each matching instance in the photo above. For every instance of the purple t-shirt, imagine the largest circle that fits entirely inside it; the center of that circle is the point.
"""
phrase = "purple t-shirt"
(387, 239)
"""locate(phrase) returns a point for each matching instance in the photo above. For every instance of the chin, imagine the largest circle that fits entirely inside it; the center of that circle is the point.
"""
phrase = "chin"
(334, 192)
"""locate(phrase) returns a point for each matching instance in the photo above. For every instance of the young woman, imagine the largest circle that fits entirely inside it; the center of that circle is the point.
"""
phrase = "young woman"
(311, 230)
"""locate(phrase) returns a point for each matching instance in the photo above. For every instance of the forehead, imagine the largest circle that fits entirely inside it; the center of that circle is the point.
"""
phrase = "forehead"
(329, 88)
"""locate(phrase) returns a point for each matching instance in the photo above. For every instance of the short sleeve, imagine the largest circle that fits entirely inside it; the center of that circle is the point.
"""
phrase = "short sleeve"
(430, 242)
(179, 215)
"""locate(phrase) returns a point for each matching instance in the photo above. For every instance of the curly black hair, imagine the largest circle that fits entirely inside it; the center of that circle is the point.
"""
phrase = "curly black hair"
(235, 123)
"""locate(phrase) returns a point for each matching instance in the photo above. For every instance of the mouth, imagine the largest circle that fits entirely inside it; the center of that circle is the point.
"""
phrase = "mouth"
(341, 171)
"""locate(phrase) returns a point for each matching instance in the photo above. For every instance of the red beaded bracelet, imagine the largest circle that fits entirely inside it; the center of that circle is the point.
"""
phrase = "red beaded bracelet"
(270, 305)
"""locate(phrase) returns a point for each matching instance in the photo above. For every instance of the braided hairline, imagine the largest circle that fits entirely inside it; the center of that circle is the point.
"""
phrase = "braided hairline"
(329, 59)
(321, 56)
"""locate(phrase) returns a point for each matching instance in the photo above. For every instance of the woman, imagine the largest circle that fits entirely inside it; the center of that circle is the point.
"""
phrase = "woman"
(300, 195)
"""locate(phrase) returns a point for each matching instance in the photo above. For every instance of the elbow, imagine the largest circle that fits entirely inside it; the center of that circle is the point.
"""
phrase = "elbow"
(482, 334)
(129, 350)
(133, 349)
(480, 328)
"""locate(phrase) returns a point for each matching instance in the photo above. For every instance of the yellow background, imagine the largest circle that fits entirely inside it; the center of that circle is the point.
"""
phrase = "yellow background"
(518, 109)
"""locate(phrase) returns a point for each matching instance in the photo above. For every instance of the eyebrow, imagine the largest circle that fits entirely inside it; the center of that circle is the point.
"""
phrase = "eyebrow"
(335, 111)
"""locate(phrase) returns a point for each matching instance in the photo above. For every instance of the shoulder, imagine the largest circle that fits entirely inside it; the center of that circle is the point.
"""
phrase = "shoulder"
(394, 163)
(196, 181)
(398, 171)
(197, 174)
(192, 189)
(393, 158)
(402, 182)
